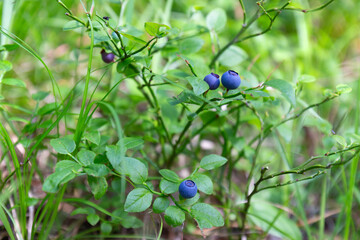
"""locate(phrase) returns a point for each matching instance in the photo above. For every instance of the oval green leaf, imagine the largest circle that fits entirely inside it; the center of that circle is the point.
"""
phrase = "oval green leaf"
(212, 161)
(138, 200)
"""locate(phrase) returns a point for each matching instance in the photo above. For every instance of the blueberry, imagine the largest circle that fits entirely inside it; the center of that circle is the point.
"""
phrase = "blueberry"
(187, 189)
(230, 79)
(107, 57)
(213, 80)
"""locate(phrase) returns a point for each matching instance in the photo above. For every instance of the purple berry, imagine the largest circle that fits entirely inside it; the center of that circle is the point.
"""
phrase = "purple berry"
(213, 80)
(187, 189)
(230, 80)
(107, 57)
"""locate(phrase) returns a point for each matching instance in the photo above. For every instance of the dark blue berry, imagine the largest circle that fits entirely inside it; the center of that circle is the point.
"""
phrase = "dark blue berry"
(230, 80)
(107, 57)
(213, 80)
(187, 189)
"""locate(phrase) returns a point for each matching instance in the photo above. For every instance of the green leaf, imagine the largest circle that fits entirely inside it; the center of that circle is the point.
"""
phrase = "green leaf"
(133, 142)
(135, 169)
(31, 201)
(199, 85)
(118, 215)
(106, 228)
(98, 186)
(262, 214)
(71, 25)
(322, 124)
(182, 97)
(169, 175)
(66, 165)
(138, 200)
(161, 204)
(216, 19)
(5, 66)
(341, 140)
(10, 47)
(53, 181)
(115, 154)
(285, 88)
(14, 82)
(295, 5)
(174, 216)
(212, 161)
(133, 38)
(206, 216)
(63, 145)
(131, 222)
(97, 170)
(191, 45)
(343, 88)
(86, 210)
(19, 119)
(189, 201)
(168, 187)
(47, 108)
(40, 95)
(93, 219)
(232, 56)
(93, 137)
(64, 172)
(122, 66)
(203, 183)
(99, 37)
(306, 78)
(86, 157)
(153, 29)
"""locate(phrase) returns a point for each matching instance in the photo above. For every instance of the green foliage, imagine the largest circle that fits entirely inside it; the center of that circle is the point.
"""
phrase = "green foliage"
(285, 88)
(160, 204)
(174, 216)
(138, 200)
(206, 216)
(65, 171)
(63, 145)
(212, 161)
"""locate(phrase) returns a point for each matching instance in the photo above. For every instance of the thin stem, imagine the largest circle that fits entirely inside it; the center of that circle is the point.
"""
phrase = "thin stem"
(248, 198)
(178, 205)
(156, 106)
(269, 129)
(245, 26)
(291, 182)
(187, 126)
(244, 12)
(234, 40)
(142, 48)
(64, 6)
(82, 118)
(272, 20)
(117, 34)
(293, 171)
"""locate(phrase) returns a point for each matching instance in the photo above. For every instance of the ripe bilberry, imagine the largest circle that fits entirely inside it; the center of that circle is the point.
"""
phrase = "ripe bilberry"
(213, 80)
(107, 57)
(187, 189)
(230, 80)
